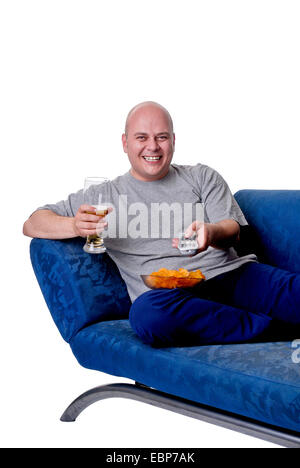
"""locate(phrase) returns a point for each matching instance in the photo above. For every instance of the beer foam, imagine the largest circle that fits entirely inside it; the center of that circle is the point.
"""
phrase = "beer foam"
(100, 207)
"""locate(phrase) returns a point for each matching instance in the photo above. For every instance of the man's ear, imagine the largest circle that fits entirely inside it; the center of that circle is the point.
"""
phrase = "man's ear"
(124, 143)
(174, 141)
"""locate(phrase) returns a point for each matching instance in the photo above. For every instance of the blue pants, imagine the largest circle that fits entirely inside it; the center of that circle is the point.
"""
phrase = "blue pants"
(233, 307)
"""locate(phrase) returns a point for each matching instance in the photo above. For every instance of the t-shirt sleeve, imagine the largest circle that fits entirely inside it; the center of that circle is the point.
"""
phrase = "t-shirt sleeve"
(68, 207)
(219, 203)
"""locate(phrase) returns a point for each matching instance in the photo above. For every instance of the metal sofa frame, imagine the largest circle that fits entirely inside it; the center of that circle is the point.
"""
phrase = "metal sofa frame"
(145, 394)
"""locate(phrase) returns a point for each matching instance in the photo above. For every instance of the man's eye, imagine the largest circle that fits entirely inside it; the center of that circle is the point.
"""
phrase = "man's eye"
(140, 137)
(163, 137)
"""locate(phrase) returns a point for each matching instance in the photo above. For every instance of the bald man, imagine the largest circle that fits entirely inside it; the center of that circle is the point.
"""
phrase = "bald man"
(239, 298)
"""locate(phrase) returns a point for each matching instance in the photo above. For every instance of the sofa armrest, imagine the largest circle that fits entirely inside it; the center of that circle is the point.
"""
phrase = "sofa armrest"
(79, 288)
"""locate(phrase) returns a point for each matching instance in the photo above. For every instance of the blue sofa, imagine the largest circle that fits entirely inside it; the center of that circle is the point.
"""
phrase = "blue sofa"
(253, 387)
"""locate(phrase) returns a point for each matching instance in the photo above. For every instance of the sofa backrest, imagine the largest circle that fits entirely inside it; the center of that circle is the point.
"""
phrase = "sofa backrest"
(274, 216)
(79, 288)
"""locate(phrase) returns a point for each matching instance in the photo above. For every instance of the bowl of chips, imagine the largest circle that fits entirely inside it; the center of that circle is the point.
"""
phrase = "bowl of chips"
(171, 279)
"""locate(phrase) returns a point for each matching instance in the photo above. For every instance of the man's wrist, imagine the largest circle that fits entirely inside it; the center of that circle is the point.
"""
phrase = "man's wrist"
(216, 234)
(74, 230)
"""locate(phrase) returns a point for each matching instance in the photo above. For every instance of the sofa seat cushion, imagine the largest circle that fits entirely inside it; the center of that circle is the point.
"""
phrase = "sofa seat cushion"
(256, 380)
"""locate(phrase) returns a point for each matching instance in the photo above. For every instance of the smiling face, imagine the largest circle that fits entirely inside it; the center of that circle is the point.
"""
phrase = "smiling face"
(149, 142)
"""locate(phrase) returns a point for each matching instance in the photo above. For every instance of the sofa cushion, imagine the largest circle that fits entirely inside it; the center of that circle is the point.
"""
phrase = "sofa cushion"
(79, 288)
(273, 216)
(256, 380)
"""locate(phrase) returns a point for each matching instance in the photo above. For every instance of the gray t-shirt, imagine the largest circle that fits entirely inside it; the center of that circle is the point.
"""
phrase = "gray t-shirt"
(147, 215)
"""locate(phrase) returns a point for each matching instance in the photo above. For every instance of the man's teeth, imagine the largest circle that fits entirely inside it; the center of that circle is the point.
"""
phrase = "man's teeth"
(152, 158)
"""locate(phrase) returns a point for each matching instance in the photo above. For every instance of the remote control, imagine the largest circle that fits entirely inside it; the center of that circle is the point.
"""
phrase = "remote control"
(187, 246)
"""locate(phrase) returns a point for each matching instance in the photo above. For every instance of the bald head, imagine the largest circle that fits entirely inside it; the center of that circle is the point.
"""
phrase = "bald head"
(149, 141)
(144, 106)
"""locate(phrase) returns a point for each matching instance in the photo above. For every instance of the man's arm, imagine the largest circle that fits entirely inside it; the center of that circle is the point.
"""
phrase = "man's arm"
(46, 224)
(223, 234)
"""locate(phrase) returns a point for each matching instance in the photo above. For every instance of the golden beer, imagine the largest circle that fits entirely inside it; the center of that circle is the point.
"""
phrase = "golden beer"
(102, 212)
(95, 242)
(96, 189)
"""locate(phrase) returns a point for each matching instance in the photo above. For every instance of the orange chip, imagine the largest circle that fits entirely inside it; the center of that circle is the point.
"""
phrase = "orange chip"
(194, 274)
(183, 273)
(173, 273)
(164, 271)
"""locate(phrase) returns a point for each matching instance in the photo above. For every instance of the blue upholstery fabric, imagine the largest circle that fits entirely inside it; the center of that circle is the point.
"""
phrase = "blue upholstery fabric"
(257, 380)
(79, 288)
(89, 303)
(274, 216)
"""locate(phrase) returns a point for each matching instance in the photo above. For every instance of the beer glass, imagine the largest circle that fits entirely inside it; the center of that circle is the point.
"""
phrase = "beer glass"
(95, 194)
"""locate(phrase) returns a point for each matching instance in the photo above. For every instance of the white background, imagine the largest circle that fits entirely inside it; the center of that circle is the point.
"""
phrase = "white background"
(228, 71)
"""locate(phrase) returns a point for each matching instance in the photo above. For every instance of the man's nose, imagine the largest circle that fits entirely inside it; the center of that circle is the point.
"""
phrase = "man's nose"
(152, 144)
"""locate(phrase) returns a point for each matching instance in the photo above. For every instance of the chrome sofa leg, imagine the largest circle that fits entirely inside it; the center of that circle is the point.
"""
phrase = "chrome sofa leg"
(101, 393)
(141, 392)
